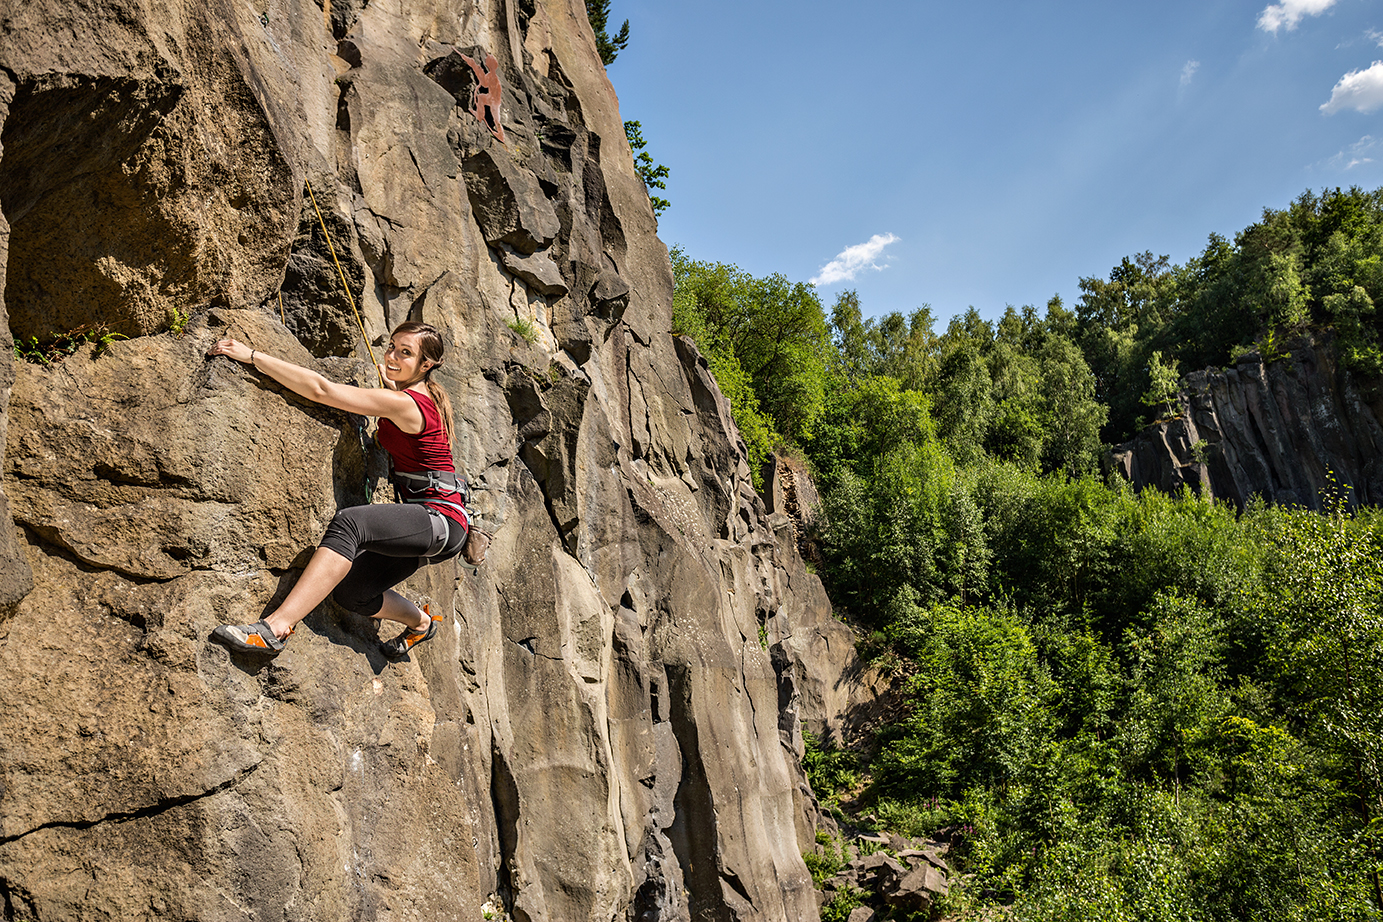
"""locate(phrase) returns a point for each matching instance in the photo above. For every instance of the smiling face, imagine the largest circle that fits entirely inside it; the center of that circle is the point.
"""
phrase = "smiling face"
(403, 360)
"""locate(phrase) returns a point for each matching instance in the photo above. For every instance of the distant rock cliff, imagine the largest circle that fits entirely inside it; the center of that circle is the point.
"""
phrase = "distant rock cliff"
(609, 726)
(1277, 429)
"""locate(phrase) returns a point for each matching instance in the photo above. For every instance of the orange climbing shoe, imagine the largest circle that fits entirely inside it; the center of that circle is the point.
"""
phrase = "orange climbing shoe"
(256, 638)
(400, 645)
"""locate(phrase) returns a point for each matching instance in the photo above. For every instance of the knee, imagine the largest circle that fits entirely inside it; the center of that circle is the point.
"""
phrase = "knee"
(343, 534)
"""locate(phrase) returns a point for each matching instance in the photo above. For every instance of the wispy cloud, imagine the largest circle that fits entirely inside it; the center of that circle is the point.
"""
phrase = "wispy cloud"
(852, 259)
(1290, 12)
(1375, 37)
(1358, 89)
(1356, 154)
(1189, 71)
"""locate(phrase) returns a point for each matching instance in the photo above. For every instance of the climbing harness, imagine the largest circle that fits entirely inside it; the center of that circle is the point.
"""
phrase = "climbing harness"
(446, 481)
(451, 484)
(342, 273)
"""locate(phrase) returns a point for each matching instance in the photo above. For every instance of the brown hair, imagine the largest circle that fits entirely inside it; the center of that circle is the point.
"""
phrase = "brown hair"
(430, 342)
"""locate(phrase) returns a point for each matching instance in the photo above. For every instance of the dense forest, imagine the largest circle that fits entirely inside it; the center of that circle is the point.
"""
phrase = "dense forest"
(1117, 706)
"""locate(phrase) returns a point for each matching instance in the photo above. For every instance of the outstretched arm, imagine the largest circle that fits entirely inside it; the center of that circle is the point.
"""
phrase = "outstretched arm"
(366, 401)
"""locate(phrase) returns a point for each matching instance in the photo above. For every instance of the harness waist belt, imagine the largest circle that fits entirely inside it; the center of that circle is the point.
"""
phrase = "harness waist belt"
(418, 481)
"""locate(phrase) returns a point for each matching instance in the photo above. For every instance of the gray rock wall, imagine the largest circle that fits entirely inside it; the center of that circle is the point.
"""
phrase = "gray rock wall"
(609, 725)
(1278, 429)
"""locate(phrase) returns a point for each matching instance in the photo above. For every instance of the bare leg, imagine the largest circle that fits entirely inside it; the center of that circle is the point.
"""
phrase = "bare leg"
(397, 608)
(326, 569)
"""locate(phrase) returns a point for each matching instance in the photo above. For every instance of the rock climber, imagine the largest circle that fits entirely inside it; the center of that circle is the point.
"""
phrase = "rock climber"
(369, 549)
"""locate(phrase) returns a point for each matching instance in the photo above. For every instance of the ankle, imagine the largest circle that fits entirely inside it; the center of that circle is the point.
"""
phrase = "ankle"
(280, 631)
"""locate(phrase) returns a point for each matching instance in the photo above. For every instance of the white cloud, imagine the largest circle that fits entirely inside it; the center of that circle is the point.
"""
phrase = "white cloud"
(1358, 89)
(852, 259)
(1290, 12)
(1356, 154)
(1375, 37)
(1189, 71)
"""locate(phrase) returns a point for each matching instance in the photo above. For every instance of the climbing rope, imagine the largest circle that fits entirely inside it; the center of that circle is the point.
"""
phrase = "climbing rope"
(341, 272)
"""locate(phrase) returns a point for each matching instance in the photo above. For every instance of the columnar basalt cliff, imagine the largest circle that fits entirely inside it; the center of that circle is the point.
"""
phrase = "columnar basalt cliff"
(1291, 430)
(609, 726)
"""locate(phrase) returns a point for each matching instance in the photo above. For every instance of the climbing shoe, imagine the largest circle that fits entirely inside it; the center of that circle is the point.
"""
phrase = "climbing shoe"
(400, 645)
(255, 638)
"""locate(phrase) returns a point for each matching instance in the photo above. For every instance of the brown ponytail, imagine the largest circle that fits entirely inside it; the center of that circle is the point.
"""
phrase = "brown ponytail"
(430, 342)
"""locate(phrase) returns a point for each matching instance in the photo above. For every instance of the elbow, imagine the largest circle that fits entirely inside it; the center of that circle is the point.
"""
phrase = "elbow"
(319, 390)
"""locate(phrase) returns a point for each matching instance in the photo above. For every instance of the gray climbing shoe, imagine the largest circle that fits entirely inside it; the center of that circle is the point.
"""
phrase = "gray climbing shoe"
(257, 638)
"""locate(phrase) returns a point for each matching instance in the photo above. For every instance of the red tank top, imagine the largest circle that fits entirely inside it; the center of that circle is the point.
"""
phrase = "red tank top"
(429, 450)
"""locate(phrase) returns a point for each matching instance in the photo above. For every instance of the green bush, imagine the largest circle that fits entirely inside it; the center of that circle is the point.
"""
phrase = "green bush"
(842, 904)
(829, 770)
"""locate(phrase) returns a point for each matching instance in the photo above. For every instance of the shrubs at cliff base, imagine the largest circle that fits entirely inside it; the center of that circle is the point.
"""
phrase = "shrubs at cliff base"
(1115, 706)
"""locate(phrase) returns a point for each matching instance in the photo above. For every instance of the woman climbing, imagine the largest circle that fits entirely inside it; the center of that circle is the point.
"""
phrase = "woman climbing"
(368, 549)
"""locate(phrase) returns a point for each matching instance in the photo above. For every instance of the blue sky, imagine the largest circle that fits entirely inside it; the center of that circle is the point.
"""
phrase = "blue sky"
(994, 153)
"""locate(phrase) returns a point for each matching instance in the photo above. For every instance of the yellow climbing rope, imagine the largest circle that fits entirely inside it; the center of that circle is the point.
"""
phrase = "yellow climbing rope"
(341, 272)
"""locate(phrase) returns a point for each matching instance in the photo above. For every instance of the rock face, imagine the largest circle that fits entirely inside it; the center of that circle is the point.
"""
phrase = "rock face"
(1279, 430)
(609, 725)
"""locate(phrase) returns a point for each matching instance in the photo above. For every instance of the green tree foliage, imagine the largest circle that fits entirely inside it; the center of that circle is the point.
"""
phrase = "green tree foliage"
(598, 12)
(1117, 706)
(1020, 391)
(1320, 610)
(829, 769)
(654, 177)
(1316, 264)
(1164, 715)
(982, 700)
(766, 342)
(1162, 383)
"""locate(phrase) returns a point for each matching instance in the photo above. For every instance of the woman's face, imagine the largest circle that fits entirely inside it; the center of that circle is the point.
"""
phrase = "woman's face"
(403, 361)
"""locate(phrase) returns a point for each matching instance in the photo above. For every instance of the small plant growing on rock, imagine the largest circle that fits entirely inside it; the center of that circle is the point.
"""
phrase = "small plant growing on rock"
(64, 344)
(177, 321)
(493, 910)
(525, 329)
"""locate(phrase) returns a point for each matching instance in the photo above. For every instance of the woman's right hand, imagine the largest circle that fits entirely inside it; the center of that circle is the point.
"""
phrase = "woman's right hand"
(233, 348)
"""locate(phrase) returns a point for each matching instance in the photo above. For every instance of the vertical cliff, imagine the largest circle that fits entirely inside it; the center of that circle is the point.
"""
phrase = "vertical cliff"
(1284, 429)
(608, 727)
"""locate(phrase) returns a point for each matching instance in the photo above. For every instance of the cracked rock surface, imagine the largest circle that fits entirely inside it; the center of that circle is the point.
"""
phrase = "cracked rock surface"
(1289, 430)
(609, 724)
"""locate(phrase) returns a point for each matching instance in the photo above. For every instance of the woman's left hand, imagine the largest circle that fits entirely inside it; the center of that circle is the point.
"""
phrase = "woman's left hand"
(233, 348)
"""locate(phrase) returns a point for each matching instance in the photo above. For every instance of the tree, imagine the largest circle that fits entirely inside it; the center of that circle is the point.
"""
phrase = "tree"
(1163, 380)
(776, 330)
(765, 340)
(598, 12)
(1325, 622)
(653, 176)
(964, 402)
